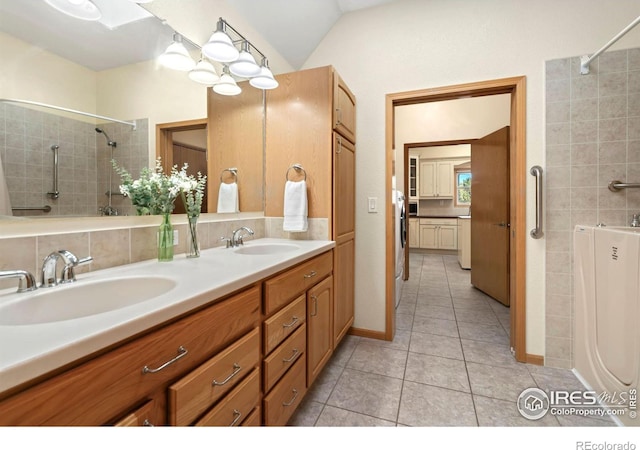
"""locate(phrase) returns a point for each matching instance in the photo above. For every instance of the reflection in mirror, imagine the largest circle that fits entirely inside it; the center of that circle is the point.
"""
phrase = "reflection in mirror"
(34, 68)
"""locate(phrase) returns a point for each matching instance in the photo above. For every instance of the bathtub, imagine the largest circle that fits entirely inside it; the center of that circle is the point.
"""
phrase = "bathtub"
(607, 314)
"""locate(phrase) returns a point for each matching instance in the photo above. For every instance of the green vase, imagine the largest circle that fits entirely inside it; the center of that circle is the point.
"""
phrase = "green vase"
(165, 239)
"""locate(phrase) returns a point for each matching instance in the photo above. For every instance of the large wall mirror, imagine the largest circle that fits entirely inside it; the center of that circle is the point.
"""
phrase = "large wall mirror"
(108, 68)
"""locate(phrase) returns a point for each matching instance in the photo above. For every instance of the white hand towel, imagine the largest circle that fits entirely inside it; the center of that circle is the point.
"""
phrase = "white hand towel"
(295, 206)
(228, 198)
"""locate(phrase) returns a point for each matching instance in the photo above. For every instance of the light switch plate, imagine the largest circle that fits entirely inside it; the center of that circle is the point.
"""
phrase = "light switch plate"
(373, 204)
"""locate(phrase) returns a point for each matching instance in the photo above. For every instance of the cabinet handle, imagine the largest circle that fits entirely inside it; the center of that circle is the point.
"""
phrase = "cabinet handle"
(315, 305)
(311, 274)
(182, 352)
(339, 121)
(295, 353)
(237, 415)
(146, 423)
(235, 372)
(339, 149)
(290, 402)
(290, 324)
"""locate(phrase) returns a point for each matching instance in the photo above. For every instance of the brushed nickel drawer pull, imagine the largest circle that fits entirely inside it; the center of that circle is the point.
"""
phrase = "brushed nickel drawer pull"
(236, 368)
(238, 414)
(182, 352)
(146, 423)
(290, 324)
(311, 274)
(296, 352)
(315, 305)
(290, 402)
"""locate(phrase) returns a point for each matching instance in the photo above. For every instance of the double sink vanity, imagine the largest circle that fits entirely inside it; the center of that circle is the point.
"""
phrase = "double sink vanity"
(235, 337)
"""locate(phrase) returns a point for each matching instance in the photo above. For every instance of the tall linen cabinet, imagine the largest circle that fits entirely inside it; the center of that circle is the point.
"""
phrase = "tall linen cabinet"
(310, 120)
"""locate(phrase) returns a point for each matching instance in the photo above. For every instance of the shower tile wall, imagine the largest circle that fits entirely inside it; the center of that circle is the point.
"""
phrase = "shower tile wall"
(592, 137)
(26, 137)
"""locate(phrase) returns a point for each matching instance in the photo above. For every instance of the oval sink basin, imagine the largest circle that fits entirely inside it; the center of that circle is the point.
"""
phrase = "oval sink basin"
(82, 299)
(266, 249)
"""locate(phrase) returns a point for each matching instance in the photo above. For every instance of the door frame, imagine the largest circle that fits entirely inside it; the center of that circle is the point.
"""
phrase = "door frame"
(516, 87)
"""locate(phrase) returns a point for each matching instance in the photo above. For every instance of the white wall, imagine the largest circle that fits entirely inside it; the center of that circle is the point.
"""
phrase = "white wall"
(416, 44)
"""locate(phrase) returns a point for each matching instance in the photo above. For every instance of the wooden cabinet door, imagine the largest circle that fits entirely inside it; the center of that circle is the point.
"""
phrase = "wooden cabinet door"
(448, 237)
(414, 233)
(427, 179)
(344, 186)
(344, 109)
(319, 339)
(444, 179)
(344, 294)
(428, 236)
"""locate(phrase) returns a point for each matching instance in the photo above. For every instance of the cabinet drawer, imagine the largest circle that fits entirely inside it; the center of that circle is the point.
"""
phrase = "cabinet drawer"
(95, 392)
(439, 222)
(279, 290)
(141, 417)
(282, 324)
(278, 362)
(283, 400)
(195, 393)
(236, 406)
(254, 419)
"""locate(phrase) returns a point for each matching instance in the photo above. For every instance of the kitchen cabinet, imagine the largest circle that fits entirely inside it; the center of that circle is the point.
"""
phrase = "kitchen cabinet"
(414, 233)
(297, 332)
(436, 179)
(111, 387)
(464, 242)
(439, 234)
(311, 120)
(413, 176)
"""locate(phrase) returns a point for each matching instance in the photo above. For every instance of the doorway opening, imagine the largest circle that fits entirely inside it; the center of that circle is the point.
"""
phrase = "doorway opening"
(517, 193)
(184, 142)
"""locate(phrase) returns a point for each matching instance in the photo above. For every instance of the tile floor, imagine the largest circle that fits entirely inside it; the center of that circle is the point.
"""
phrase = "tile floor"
(449, 364)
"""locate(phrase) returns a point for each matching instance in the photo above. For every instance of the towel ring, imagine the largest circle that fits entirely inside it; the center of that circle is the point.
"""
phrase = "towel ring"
(297, 168)
(232, 170)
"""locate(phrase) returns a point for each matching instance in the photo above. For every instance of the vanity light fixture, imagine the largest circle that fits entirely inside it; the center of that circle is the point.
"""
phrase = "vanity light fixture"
(220, 47)
(176, 56)
(79, 9)
(204, 72)
(245, 66)
(265, 79)
(227, 85)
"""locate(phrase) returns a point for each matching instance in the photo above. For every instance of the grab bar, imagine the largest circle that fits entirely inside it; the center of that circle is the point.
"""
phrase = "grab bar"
(55, 193)
(45, 208)
(536, 171)
(615, 185)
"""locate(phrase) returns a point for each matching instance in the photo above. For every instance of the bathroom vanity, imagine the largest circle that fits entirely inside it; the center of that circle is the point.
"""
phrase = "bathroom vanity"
(238, 346)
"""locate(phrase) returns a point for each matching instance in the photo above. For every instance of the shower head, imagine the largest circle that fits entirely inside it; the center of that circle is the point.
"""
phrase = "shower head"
(110, 143)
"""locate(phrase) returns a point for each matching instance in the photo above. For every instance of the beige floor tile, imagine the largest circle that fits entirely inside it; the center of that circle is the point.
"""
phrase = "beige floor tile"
(435, 326)
(424, 405)
(337, 417)
(436, 345)
(499, 382)
(501, 413)
(437, 371)
(374, 358)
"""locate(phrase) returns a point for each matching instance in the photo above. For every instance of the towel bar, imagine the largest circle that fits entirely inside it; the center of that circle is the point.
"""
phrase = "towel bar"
(297, 168)
(615, 185)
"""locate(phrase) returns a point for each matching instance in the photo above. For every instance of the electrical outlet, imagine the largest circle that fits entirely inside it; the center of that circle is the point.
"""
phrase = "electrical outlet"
(175, 237)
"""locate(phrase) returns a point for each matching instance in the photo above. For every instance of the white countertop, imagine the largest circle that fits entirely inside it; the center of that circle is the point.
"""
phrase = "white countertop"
(28, 351)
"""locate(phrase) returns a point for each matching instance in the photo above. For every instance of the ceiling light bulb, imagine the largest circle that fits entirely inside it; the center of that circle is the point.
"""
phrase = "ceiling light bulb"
(204, 73)
(245, 66)
(264, 80)
(79, 9)
(176, 56)
(227, 85)
(220, 48)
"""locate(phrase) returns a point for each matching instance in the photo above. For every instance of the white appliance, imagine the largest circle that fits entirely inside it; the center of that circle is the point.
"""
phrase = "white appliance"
(401, 239)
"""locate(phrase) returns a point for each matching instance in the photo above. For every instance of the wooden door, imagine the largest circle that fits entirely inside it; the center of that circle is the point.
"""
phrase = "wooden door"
(490, 215)
(319, 339)
(343, 295)
(344, 109)
(196, 157)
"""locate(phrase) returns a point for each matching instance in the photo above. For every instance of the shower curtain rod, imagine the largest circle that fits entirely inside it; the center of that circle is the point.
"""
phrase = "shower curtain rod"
(586, 59)
(59, 108)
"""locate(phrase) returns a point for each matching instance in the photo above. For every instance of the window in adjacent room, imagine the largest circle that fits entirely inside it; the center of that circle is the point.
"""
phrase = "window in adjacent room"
(463, 187)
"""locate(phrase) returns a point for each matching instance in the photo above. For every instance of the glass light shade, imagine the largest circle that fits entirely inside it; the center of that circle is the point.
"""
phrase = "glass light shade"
(204, 73)
(79, 9)
(245, 66)
(264, 80)
(177, 57)
(226, 86)
(220, 48)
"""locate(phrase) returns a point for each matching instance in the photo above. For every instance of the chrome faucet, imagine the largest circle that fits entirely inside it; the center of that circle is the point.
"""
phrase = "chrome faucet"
(26, 282)
(50, 264)
(237, 238)
(634, 221)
